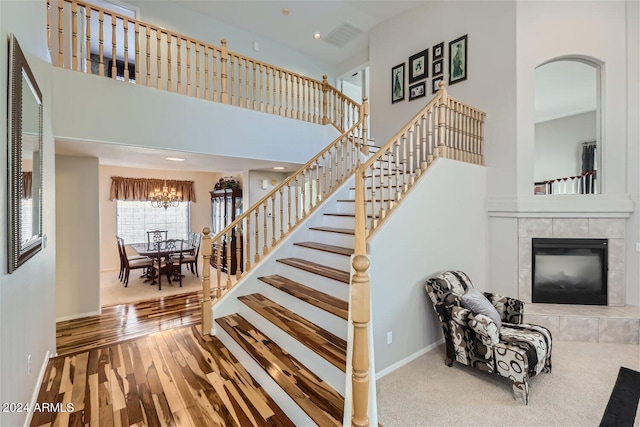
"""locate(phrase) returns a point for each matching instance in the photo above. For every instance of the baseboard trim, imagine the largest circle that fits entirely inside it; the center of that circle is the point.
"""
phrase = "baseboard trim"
(408, 359)
(36, 391)
(77, 316)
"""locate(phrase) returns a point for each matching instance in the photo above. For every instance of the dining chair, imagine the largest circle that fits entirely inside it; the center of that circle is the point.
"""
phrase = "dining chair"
(191, 259)
(133, 263)
(126, 252)
(156, 236)
(168, 260)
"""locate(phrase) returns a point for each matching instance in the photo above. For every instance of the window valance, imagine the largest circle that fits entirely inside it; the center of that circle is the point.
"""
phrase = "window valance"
(139, 188)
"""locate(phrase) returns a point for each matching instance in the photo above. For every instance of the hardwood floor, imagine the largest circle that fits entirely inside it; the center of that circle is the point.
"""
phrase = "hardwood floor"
(122, 322)
(174, 377)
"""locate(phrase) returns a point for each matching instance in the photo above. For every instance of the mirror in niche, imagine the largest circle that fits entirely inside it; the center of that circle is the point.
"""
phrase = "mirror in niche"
(24, 160)
(567, 127)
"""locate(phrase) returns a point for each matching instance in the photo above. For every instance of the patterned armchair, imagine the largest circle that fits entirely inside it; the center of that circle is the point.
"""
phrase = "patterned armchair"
(514, 350)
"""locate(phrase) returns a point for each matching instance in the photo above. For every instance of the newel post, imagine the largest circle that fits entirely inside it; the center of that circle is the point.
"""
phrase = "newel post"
(365, 125)
(360, 289)
(224, 56)
(325, 100)
(442, 121)
(205, 248)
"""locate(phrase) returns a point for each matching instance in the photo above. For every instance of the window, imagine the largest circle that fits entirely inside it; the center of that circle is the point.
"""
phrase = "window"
(135, 218)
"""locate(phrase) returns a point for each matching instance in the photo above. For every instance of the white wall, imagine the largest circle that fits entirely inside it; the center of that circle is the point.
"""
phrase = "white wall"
(200, 210)
(77, 237)
(440, 225)
(558, 148)
(27, 297)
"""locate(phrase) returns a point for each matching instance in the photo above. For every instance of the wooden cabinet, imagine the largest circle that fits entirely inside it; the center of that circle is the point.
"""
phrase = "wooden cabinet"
(226, 205)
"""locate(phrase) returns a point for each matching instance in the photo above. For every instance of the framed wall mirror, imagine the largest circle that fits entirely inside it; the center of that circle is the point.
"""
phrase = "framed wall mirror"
(24, 157)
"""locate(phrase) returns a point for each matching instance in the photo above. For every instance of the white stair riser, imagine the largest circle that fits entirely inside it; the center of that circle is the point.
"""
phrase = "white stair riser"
(323, 284)
(327, 321)
(322, 257)
(339, 221)
(329, 238)
(379, 193)
(279, 396)
(385, 179)
(346, 207)
(328, 373)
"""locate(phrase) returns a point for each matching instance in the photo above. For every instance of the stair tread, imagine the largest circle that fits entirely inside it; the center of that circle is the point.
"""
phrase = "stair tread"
(334, 230)
(345, 214)
(312, 267)
(366, 201)
(326, 248)
(317, 399)
(238, 381)
(328, 346)
(309, 295)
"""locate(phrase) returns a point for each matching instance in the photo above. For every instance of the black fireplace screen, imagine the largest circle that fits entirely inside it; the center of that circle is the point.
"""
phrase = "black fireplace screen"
(569, 271)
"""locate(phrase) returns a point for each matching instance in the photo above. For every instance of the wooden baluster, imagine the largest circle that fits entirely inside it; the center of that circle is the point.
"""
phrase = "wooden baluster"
(411, 159)
(482, 138)
(264, 238)
(304, 199)
(442, 123)
(280, 85)
(188, 67)
(397, 168)
(324, 173)
(49, 26)
(224, 54)
(137, 63)
(229, 236)
(74, 36)
(219, 247)
(274, 99)
(360, 291)
(405, 160)
(61, 33)
(281, 214)
(206, 72)
(268, 92)
(247, 101)
(247, 234)
(273, 220)
(297, 206)
(232, 90)
(169, 42)
(87, 36)
(148, 54)
(325, 90)
(159, 59)
(304, 108)
(215, 74)
(257, 258)
(205, 249)
(125, 30)
(288, 207)
(197, 70)
(418, 145)
(100, 41)
(255, 87)
(178, 61)
(238, 253)
(239, 80)
(288, 111)
(262, 93)
(318, 187)
(114, 41)
(423, 143)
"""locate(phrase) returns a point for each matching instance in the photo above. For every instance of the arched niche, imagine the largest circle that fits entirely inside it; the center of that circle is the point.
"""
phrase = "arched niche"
(567, 142)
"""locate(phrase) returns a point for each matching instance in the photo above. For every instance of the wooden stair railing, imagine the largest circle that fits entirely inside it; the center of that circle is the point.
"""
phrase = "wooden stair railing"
(94, 40)
(446, 128)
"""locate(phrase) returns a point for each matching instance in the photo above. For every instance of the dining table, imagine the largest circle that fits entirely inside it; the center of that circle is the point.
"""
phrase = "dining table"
(159, 250)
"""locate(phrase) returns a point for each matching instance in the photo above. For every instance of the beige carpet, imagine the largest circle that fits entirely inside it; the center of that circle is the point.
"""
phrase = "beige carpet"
(428, 393)
(113, 292)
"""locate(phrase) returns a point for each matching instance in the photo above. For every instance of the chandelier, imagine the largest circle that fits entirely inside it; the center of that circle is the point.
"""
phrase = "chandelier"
(165, 197)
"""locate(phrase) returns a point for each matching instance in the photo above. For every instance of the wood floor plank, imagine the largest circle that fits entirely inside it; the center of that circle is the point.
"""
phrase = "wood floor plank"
(323, 404)
(319, 269)
(330, 347)
(309, 295)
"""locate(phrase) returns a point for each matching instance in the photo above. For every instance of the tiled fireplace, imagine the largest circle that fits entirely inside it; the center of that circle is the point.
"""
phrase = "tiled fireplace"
(569, 322)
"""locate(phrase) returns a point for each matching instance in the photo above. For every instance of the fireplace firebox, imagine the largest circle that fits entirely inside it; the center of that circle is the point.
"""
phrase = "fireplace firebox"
(569, 271)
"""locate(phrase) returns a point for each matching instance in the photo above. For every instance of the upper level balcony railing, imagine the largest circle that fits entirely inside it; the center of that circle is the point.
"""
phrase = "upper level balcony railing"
(93, 40)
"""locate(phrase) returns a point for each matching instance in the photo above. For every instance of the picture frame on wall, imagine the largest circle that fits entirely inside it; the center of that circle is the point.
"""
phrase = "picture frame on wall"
(397, 83)
(418, 66)
(458, 60)
(438, 51)
(435, 83)
(436, 68)
(417, 91)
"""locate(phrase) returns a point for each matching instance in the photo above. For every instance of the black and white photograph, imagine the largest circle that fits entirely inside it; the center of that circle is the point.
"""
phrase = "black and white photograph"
(458, 60)
(435, 84)
(418, 64)
(417, 91)
(397, 83)
(436, 68)
(438, 51)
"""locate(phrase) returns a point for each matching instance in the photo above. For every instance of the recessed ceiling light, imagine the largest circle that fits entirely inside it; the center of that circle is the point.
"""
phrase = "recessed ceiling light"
(316, 36)
(285, 11)
(175, 159)
(279, 168)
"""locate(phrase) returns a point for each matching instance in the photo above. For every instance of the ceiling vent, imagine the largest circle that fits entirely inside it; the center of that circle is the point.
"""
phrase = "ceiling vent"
(342, 34)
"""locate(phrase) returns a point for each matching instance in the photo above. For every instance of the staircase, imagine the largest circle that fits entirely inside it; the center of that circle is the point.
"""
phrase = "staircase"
(291, 334)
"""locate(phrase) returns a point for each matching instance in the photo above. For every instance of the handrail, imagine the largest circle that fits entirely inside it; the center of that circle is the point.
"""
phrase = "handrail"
(157, 57)
(584, 183)
(445, 127)
(252, 235)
